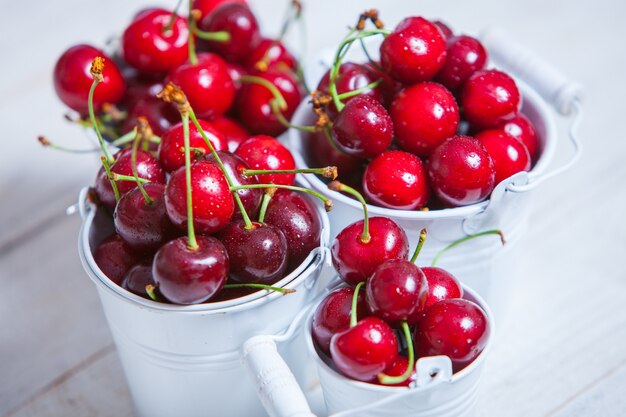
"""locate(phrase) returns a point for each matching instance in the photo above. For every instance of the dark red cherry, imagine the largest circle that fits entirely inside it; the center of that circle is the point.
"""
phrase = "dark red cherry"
(72, 79)
(144, 226)
(398, 368)
(333, 315)
(363, 128)
(389, 86)
(160, 115)
(238, 20)
(490, 98)
(456, 328)
(257, 255)
(396, 179)
(465, 56)
(115, 258)
(461, 171)
(171, 148)
(190, 276)
(320, 152)
(397, 291)
(415, 51)
(523, 130)
(213, 203)
(356, 261)
(365, 350)
(424, 115)
(232, 130)
(207, 6)
(265, 152)
(147, 46)
(140, 86)
(207, 84)
(444, 29)
(271, 53)
(509, 155)
(442, 285)
(138, 277)
(236, 71)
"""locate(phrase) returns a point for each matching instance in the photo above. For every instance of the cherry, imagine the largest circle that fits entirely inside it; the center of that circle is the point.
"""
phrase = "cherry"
(187, 275)
(236, 72)
(160, 115)
(424, 115)
(397, 291)
(234, 132)
(444, 29)
(456, 328)
(461, 171)
(490, 98)
(115, 258)
(396, 179)
(149, 45)
(363, 127)
(72, 79)
(257, 255)
(465, 56)
(509, 155)
(213, 203)
(137, 278)
(271, 53)
(442, 285)
(333, 315)
(415, 51)
(265, 152)
(143, 225)
(319, 151)
(207, 85)
(398, 368)
(364, 350)
(140, 86)
(207, 6)
(171, 149)
(236, 19)
(523, 130)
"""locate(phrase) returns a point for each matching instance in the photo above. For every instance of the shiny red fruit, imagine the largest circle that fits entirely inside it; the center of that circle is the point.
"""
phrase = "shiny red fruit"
(271, 53)
(232, 130)
(444, 29)
(523, 130)
(138, 277)
(509, 155)
(159, 114)
(115, 258)
(320, 152)
(490, 98)
(442, 285)
(265, 152)
(207, 6)
(465, 56)
(398, 368)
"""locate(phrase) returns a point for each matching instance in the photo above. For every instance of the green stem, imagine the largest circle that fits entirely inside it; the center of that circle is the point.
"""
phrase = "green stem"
(170, 24)
(328, 204)
(253, 79)
(120, 177)
(420, 243)
(328, 172)
(150, 290)
(191, 44)
(358, 91)
(337, 186)
(129, 137)
(94, 123)
(369, 57)
(221, 36)
(261, 287)
(191, 233)
(111, 177)
(353, 309)
(283, 120)
(392, 380)
(465, 239)
(133, 165)
(267, 197)
(46, 143)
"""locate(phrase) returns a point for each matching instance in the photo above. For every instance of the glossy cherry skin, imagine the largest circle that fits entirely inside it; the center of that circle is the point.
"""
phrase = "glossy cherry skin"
(523, 130)
(397, 292)
(238, 20)
(396, 179)
(415, 51)
(465, 55)
(207, 84)
(265, 152)
(72, 79)
(509, 155)
(171, 148)
(254, 103)
(442, 285)
(138, 277)
(424, 115)
(271, 53)
(490, 98)
(332, 315)
(207, 6)
(232, 130)
(160, 115)
(258, 255)
(213, 204)
(363, 128)
(320, 152)
(365, 350)
(187, 276)
(456, 328)
(115, 258)
(236, 71)
(444, 29)
(149, 48)
(461, 171)
(147, 168)
(356, 261)
(145, 227)
(295, 215)
(398, 368)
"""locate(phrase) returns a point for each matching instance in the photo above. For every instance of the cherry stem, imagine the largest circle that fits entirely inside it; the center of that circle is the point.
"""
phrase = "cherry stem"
(353, 309)
(358, 91)
(197, 152)
(221, 36)
(130, 136)
(369, 57)
(150, 290)
(267, 197)
(465, 239)
(170, 24)
(253, 79)
(327, 172)
(283, 120)
(111, 177)
(191, 233)
(338, 186)
(47, 144)
(120, 177)
(294, 12)
(284, 291)
(420, 243)
(191, 44)
(328, 204)
(392, 380)
(133, 165)
(98, 62)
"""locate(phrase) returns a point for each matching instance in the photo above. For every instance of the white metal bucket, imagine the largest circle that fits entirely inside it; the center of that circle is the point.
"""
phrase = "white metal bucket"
(184, 360)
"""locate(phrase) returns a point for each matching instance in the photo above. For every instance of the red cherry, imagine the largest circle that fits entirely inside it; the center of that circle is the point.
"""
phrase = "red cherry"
(138, 277)
(389, 87)
(444, 29)
(320, 152)
(461, 171)
(523, 130)
(236, 72)
(213, 203)
(233, 131)
(397, 368)
(115, 258)
(465, 56)
(265, 152)
(72, 79)
(207, 84)
(207, 6)
(415, 51)
(442, 285)
(365, 350)
(271, 53)
(159, 114)
(456, 328)
(147, 46)
(190, 276)
(171, 148)
(424, 115)
(509, 155)
(356, 261)
(396, 179)
(490, 98)
(141, 86)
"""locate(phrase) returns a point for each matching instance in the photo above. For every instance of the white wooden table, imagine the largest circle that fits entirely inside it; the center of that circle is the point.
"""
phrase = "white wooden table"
(563, 349)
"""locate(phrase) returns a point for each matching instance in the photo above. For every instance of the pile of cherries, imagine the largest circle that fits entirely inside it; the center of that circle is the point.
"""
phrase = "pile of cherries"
(429, 118)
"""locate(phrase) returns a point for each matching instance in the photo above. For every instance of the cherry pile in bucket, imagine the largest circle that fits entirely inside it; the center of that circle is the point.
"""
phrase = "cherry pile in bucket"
(428, 125)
